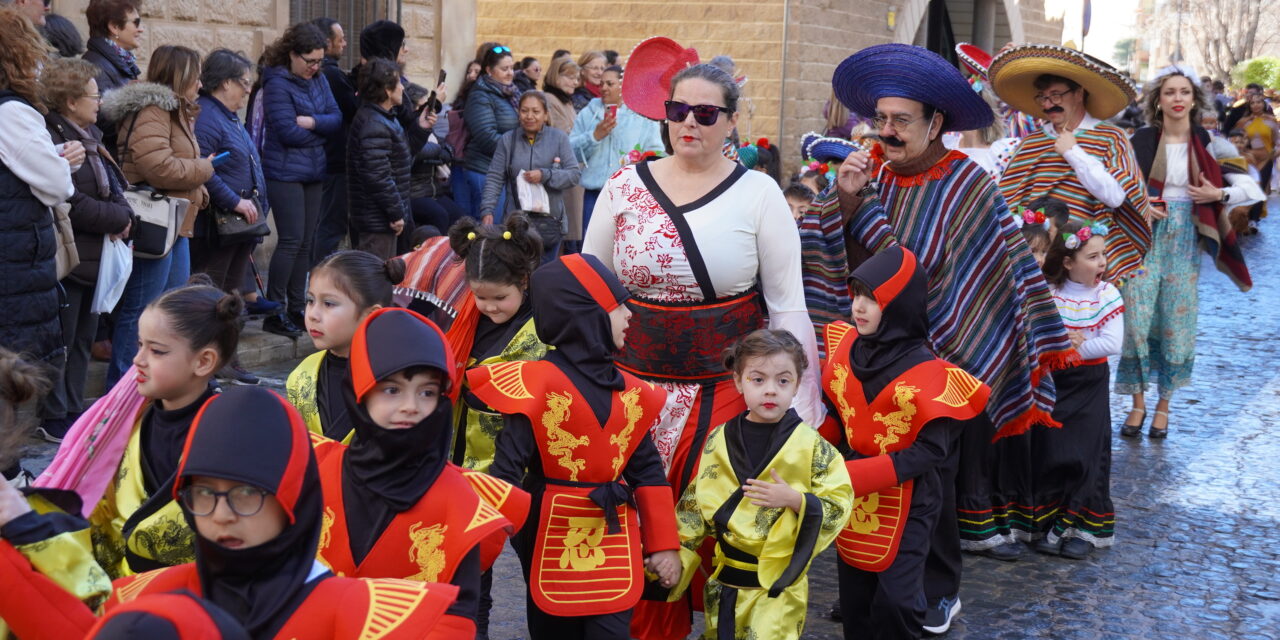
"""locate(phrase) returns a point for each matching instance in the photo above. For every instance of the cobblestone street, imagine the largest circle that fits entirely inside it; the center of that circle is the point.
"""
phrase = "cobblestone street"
(1196, 537)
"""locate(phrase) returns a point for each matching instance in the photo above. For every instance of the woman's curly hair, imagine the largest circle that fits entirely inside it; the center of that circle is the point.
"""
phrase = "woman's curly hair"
(25, 52)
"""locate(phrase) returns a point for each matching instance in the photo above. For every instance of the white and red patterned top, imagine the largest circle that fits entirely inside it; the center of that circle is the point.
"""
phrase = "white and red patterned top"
(744, 231)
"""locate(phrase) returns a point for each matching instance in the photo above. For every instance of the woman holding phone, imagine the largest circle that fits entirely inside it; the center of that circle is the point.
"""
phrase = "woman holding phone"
(603, 134)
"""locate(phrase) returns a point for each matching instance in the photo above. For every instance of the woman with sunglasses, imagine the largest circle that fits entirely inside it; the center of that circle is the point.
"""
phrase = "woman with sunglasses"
(690, 235)
(301, 115)
(115, 32)
(490, 111)
(249, 486)
(604, 133)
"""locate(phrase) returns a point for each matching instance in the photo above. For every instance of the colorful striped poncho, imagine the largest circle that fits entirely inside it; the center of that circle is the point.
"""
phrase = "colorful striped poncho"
(1037, 169)
(824, 267)
(990, 310)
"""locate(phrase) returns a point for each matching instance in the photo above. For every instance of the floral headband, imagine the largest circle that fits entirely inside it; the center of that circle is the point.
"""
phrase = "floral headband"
(1024, 216)
(824, 168)
(1077, 239)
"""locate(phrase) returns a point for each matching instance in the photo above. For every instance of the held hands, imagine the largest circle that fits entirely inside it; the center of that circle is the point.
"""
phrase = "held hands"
(12, 504)
(73, 153)
(534, 176)
(1204, 193)
(1076, 337)
(667, 565)
(306, 122)
(777, 494)
(1157, 212)
(1066, 140)
(247, 209)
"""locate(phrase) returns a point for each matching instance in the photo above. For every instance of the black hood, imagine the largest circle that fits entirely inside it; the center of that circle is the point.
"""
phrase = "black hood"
(902, 339)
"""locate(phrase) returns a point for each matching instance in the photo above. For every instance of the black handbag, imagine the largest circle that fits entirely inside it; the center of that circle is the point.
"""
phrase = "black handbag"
(231, 227)
(547, 226)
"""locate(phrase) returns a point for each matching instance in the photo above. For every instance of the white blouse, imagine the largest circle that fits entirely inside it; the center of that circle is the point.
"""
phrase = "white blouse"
(743, 229)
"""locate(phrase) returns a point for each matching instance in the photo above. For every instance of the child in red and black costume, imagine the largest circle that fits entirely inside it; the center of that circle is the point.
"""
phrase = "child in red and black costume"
(897, 412)
(250, 488)
(580, 427)
(395, 507)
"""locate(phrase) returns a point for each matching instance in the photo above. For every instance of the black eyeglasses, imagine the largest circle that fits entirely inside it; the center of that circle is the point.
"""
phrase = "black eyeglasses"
(501, 49)
(1053, 98)
(137, 22)
(704, 114)
(244, 500)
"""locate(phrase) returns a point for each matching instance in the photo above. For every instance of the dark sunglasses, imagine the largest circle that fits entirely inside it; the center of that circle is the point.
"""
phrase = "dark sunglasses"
(704, 114)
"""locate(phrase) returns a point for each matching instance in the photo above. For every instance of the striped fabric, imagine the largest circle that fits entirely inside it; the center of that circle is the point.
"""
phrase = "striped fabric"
(1038, 170)
(990, 310)
(1016, 123)
(824, 267)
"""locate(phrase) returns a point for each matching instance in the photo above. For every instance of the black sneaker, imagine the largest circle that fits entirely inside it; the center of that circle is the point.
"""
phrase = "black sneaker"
(836, 615)
(299, 320)
(233, 372)
(938, 617)
(281, 326)
(1044, 546)
(262, 307)
(55, 429)
(1007, 552)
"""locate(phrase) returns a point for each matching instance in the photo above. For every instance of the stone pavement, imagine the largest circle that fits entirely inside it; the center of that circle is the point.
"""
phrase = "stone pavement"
(1197, 514)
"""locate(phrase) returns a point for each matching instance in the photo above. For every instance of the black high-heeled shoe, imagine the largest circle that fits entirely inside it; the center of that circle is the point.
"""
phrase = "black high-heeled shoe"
(1157, 434)
(1132, 430)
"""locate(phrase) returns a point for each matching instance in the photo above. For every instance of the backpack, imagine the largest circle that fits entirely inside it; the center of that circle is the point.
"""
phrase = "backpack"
(458, 135)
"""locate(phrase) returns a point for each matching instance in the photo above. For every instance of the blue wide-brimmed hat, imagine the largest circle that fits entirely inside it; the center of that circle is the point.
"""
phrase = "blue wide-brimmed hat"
(905, 71)
(822, 148)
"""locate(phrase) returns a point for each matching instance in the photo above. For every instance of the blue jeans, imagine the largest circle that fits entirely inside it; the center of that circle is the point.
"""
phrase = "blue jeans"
(589, 197)
(149, 279)
(468, 193)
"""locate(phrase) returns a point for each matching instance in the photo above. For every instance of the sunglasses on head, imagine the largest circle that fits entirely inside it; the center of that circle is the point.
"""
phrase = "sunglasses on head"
(704, 114)
(501, 49)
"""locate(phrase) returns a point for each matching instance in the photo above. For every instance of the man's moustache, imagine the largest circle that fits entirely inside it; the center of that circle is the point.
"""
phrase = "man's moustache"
(1053, 110)
(893, 141)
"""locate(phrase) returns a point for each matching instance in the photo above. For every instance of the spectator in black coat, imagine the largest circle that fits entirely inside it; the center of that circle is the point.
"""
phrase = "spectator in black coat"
(431, 198)
(98, 209)
(115, 31)
(378, 162)
(333, 195)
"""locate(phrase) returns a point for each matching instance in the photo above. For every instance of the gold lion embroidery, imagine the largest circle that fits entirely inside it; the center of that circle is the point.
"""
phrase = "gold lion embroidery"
(633, 411)
(863, 518)
(839, 385)
(581, 544)
(326, 523)
(561, 443)
(426, 552)
(898, 422)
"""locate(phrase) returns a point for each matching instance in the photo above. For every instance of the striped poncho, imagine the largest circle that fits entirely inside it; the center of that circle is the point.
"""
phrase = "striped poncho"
(824, 267)
(1037, 169)
(990, 310)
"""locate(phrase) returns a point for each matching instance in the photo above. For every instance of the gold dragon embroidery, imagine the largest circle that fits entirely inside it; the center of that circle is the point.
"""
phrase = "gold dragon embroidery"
(898, 422)
(561, 443)
(326, 524)
(633, 411)
(839, 385)
(426, 552)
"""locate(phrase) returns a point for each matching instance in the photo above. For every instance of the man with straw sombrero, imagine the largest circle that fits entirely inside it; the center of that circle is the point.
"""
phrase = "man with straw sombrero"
(1075, 157)
(989, 310)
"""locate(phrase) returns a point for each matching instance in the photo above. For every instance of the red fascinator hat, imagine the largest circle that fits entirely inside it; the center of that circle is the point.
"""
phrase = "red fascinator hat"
(650, 68)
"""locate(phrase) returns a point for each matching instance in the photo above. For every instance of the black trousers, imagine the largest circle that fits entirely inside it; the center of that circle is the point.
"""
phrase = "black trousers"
(943, 567)
(890, 605)
(543, 626)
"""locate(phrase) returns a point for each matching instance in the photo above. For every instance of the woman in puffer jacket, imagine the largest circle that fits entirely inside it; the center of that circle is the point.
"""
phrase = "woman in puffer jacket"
(490, 111)
(300, 115)
(155, 123)
(98, 209)
(378, 162)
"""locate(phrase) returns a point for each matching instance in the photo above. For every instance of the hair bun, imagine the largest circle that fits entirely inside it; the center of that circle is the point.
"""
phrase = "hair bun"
(395, 270)
(229, 306)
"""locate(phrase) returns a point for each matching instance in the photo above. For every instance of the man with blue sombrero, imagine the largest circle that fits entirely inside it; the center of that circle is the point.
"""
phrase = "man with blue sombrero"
(989, 310)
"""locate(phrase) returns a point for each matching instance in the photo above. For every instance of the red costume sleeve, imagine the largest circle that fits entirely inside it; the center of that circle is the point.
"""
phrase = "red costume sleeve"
(870, 475)
(658, 531)
(34, 606)
(453, 627)
(831, 430)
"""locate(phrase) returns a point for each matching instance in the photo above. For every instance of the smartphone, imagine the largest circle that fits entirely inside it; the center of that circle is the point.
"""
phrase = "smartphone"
(611, 111)
(221, 158)
(1156, 202)
(440, 78)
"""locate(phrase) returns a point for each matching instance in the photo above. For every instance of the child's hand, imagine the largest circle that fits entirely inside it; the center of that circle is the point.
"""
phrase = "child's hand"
(1076, 337)
(12, 503)
(772, 494)
(667, 565)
